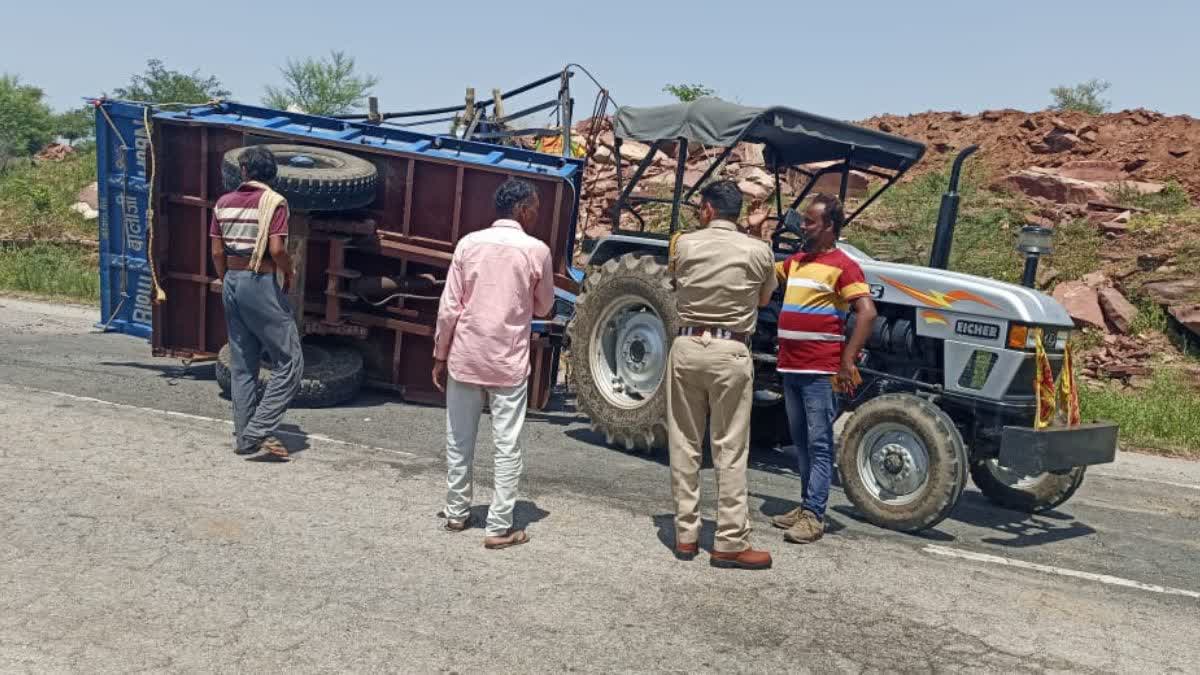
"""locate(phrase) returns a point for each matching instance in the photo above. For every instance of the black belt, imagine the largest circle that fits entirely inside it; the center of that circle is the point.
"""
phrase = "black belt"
(714, 331)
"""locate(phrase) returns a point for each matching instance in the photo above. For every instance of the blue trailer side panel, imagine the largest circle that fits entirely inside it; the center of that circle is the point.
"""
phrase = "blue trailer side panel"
(125, 282)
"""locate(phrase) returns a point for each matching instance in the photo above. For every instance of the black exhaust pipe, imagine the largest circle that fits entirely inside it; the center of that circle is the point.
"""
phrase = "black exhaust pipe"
(943, 236)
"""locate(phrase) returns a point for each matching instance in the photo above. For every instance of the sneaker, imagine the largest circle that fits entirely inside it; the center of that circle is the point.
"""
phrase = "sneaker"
(785, 521)
(808, 528)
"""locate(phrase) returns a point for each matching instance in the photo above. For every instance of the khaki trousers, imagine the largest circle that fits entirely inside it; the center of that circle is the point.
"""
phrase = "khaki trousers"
(710, 379)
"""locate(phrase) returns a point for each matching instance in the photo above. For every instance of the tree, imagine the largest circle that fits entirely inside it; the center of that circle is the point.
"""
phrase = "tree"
(687, 93)
(159, 85)
(321, 86)
(1084, 97)
(26, 124)
(76, 125)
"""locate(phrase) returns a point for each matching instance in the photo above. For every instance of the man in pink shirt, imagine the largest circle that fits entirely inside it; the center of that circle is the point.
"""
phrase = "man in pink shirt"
(499, 279)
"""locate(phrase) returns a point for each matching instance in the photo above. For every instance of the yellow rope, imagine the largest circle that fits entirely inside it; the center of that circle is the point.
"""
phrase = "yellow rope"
(160, 295)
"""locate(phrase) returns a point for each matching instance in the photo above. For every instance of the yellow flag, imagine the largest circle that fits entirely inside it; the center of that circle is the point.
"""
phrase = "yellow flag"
(1068, 390)
(1043, 386)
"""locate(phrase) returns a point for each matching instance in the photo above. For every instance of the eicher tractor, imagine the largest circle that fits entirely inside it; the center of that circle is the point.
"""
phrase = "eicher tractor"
(948, 373)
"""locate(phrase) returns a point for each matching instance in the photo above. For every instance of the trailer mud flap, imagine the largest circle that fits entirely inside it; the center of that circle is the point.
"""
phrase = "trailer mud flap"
(1030, 452)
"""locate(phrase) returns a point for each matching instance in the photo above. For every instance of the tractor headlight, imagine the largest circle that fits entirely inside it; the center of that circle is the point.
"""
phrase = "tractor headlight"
(1023, 336)
(1035, 240)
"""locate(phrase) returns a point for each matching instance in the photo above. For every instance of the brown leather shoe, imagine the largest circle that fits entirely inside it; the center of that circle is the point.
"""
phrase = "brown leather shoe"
(785, 521)
(685, 551)
(749, 559)
(808, 529)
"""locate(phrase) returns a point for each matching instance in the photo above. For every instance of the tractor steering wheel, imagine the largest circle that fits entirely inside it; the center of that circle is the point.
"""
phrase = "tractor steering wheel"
(788, 237)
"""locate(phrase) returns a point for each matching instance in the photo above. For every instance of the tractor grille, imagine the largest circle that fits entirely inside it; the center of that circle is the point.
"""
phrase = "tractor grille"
(1022, 384)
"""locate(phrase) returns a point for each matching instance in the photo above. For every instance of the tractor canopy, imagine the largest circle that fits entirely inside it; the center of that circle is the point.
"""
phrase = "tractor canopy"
(792, 136)
(793, 141)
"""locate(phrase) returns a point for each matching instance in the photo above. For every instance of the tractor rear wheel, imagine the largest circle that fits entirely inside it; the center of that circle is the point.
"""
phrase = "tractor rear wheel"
(902, 462)
(1031, 494)
(625, 320)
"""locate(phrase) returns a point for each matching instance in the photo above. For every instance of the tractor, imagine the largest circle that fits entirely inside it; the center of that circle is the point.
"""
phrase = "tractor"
(948, 373)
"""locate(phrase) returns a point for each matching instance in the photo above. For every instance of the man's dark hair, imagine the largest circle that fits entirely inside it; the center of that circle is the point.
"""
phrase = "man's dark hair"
(513, 194)
(259, 163)
(833, 211)
(725, 197)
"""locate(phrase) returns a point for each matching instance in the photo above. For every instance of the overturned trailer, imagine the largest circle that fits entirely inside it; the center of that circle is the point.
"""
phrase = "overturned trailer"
(376, 214)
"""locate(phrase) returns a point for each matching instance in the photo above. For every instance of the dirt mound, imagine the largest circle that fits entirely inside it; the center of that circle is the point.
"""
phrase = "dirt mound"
(1134, 145)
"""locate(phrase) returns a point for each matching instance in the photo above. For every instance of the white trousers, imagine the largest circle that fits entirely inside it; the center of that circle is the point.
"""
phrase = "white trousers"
(464, 404)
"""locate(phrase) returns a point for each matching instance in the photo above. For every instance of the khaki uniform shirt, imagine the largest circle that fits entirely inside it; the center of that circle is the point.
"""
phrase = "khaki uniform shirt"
(719, 275)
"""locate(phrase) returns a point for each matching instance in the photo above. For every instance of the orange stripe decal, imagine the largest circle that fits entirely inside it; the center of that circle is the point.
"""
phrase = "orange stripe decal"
(937, 298)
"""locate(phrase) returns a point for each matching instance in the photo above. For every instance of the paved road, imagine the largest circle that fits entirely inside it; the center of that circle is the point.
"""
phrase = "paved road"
(131, 538)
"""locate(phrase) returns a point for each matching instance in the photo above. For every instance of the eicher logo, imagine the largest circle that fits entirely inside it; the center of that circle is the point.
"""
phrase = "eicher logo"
(987, 331)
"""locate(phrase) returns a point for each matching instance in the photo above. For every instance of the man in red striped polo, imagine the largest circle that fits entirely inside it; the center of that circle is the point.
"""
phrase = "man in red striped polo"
(822, 284)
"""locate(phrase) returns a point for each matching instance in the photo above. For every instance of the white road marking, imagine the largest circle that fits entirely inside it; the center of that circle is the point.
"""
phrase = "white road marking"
(1060, 571)
(201, 418)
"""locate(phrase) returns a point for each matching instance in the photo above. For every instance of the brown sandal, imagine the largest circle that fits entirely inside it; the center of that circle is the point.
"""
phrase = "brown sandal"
(273, 446)
(513, 538)
(456, 524)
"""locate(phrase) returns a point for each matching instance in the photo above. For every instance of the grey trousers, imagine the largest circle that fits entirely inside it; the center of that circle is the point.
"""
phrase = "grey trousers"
(258, 320)
(464, 404)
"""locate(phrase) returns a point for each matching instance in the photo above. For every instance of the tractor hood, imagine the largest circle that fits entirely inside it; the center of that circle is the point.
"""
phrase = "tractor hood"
(938, 289)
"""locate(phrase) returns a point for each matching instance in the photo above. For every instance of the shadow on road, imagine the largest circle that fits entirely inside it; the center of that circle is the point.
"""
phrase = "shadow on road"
(665, 523)
(525, 513)
(1023, 530)
(202, 372)
(293, 438)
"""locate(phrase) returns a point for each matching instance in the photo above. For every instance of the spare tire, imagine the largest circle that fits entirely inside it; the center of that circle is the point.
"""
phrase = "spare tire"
(333, 374)
(312, 178)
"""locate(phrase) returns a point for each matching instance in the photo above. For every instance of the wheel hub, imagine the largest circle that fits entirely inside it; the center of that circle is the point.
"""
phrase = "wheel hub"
(629, 356)
(894, 464)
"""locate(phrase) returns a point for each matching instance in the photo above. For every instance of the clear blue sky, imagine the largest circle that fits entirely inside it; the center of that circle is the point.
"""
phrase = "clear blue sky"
(843, 59)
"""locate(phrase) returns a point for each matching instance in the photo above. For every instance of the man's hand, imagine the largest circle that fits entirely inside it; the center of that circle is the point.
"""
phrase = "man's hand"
(848, 377)
(439, 375)
(289, 278)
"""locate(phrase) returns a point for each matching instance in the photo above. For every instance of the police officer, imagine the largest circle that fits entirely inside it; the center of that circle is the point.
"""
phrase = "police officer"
(721, 277)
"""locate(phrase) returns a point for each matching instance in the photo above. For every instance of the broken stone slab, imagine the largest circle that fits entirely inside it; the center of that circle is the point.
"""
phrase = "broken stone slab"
(1082, 303)
(1119, 311)
(1092, 170)
(1049, 184)
(754, 191)
(90, 195)
(1174, 292)
(830, 183)
(1096, 279)
(1188, 316)
(1059, 141)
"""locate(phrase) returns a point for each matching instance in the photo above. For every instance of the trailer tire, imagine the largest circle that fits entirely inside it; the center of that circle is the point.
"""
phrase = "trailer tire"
(633, 295)
(313, 178)
(333, 374)
(1034, 494)
(892, 434)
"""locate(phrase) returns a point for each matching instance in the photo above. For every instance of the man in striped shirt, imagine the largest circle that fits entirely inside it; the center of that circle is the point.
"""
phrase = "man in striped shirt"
(257, 315)
(822, 285)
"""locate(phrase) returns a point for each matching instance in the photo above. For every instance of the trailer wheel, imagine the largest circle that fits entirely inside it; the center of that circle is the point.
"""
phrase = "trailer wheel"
(313, 178)
(333, 374)
(625, 320)
(1031, 494)
(902, 462)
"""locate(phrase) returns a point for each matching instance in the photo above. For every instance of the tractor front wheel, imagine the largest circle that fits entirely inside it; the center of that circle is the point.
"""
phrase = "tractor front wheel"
(902, 462)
